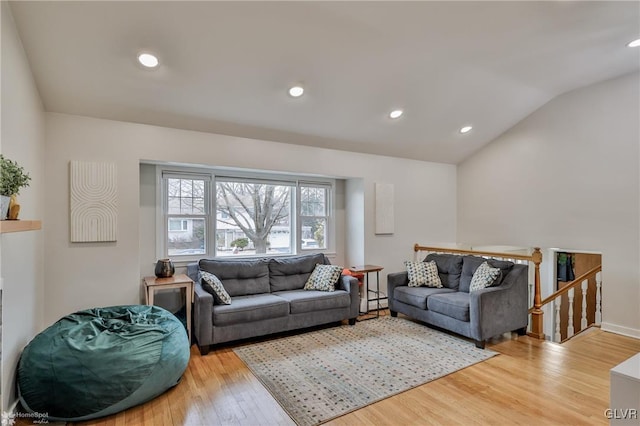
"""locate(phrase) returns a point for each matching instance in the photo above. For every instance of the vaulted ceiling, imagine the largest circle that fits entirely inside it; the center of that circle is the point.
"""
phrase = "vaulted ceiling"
(225, 67)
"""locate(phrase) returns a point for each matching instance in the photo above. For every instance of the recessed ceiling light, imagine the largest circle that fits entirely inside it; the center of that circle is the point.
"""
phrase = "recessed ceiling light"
(465, 129)
(296, 91)
(634, 43)
(148, 60)
(396, 113)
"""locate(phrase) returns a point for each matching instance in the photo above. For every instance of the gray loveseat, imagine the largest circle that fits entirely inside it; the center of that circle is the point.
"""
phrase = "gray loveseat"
(478, 315)
(267, 296)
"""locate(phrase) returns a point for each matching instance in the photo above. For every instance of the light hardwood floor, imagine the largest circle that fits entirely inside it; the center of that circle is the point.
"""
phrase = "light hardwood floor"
(530, 382)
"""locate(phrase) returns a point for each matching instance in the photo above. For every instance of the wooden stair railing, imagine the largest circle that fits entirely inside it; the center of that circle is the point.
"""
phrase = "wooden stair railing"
(569, 289)
(535, 258)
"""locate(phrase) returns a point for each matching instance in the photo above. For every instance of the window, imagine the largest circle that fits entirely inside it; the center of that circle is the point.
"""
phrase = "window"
(204, 215)
(186, 213)
(314, 215)
(253, 217)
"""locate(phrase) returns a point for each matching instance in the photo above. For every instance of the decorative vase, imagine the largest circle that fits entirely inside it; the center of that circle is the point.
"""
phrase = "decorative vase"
(14, 208)
(164, 268)
(4, 206)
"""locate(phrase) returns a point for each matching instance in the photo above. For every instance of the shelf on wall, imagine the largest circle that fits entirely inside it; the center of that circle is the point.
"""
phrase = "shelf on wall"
(19, 225)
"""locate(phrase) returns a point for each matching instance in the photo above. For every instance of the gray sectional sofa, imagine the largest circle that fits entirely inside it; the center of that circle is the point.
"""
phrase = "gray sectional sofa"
(267, 296)
(478, 315)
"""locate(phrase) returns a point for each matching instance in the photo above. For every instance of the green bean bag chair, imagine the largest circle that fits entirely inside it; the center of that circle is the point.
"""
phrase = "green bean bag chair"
(100, 361)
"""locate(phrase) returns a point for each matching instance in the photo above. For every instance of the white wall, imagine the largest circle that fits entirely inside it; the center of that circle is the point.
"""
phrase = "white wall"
(22, 253)
(354, 202)
(567, 176)
(148, 225)
(80, 276)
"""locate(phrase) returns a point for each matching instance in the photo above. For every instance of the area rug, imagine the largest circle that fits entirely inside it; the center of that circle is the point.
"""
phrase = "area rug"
(320, 375)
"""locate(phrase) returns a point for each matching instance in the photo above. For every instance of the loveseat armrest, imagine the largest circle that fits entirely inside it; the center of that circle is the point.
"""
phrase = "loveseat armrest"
(193, 271)
(497, 310)
(395, 279)
(350, 285)
(203, 315)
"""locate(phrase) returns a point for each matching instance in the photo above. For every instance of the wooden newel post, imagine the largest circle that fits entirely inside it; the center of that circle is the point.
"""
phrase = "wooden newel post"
(537, 314)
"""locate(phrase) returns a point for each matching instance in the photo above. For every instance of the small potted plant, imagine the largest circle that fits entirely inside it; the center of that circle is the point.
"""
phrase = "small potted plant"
(12, 179)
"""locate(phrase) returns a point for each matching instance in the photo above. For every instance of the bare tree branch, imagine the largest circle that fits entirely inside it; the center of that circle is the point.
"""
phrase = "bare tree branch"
(263, 206)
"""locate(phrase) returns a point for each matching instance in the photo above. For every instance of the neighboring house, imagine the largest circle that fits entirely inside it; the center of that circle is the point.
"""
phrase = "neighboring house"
(227, 232)
(181, 231)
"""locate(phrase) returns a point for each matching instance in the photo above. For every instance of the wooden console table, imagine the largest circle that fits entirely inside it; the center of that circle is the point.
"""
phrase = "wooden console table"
(151, 284)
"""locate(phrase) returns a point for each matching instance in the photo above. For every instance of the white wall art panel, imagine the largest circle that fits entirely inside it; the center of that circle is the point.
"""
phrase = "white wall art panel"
(94, 194)
(384, 208)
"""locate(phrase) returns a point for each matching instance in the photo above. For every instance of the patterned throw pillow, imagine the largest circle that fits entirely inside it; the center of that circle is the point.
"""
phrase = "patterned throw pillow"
(423, 274)
(484, 277)
(323, 278)
(213, 285)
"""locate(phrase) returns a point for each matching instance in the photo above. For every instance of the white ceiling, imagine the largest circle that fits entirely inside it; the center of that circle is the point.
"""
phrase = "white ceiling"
(226, 66)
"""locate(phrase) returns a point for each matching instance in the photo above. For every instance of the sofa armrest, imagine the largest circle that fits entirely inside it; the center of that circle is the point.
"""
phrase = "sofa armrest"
(203, 315)
(193, 271)
(350, 285)
(394, 280)
(497, 310)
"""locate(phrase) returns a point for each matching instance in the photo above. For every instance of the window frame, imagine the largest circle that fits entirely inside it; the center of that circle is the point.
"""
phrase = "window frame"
(163, 216)
(329, 188)
(211, 177)
(266, 180)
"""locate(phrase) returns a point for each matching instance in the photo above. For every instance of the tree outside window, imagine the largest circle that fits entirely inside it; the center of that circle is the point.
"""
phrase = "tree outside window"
(260, 211)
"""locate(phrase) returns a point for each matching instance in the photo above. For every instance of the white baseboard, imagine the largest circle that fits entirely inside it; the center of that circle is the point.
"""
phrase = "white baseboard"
(374, 305)
(618, 329)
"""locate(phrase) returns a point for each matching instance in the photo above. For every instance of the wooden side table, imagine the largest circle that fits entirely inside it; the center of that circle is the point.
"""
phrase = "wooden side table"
(151, 284)
(366, 269)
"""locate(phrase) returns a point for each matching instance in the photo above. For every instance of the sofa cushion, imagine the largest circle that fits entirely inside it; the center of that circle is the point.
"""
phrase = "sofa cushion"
(291, 273)
(239, 277)
(417, 296)
(422, 273)
(484, 277)
(246, 309)
(454, 305)
(323, 278)
(212, 284)
(301, 301)
(471, 263)
(449, 268)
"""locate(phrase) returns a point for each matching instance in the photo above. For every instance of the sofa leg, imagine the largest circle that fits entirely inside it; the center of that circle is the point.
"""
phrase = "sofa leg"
(352, 321)
(204, 349)
(393, 313)
(480, 344)
(521, 331)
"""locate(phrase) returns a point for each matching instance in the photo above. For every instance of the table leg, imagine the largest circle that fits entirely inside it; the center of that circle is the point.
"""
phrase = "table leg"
(188, 292)
(378, 293)
(366, 280)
